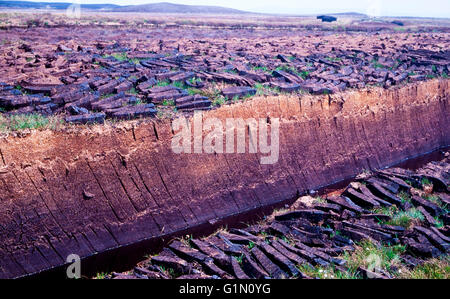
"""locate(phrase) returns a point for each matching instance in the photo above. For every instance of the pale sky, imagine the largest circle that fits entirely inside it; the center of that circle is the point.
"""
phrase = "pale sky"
(420, 8)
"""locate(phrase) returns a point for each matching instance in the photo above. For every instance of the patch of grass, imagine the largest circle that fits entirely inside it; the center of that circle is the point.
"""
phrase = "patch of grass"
(287, 240)
(139, 102)
(163, 83)
(231, 71)
(246, 97)
(409, 182)
(293, 70)
(193, 91)
(374, 257)
(195, 81)
(399, 217)
(122, 56)
(304, 74)
(235, 99)
(320, 200)
(108, 95)
(333, 59)
(133, 91)
(264, 89)
(434, 199)
(336, 233)
(378, 65)
(426, 182)
(160, 114)
(261, 68)
(439, 222)
(101, 275)
(286, 68)
(178, 84)
(239, 258)
(28, 121)
(135, 61)
(406, 218)
(214, 93)
(404, 196)
(3, 124)
(168, 272)
(438, 268)
(327, 272)
(280, 211)
(264, 235)
(251, 245)
(168, 103)
(259, 89)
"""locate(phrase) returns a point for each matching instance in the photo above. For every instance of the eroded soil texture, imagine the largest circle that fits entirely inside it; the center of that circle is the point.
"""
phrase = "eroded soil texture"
(88, 74)
(405, 210)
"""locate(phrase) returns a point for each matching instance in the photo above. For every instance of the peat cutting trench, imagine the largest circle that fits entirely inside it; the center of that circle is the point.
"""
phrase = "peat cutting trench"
(90, 191)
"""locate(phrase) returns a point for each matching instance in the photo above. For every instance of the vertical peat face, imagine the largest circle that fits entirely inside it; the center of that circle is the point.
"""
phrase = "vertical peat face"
(84, 191)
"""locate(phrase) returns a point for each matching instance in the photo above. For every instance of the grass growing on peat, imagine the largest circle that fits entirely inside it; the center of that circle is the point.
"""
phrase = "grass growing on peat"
(29, 121)
(438, 268)
(367, 255)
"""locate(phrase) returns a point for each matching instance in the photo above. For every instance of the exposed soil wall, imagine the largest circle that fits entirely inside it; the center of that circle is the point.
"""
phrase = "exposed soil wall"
(88, 190)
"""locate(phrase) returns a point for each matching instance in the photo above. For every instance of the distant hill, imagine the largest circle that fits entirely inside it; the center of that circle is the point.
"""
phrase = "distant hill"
(163, 7)
(349, 14)
(53, 5)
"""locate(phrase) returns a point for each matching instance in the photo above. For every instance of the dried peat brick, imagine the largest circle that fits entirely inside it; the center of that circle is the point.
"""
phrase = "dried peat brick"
(92, 118)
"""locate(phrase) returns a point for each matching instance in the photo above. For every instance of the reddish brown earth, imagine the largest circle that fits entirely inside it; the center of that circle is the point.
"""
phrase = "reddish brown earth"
(86, 190)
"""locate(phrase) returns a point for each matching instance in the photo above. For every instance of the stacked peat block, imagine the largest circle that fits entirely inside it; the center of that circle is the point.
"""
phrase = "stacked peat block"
(95, 73)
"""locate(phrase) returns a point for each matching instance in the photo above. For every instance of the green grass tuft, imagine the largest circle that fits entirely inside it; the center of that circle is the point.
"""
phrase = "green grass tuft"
(426, 182)
(168, 103)
(398, 217)
(120, 56)
(265, 90)
(163, 83)
(28, 121)
(327, 272)
(219, 101)
(438, 268)
(101, 275)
